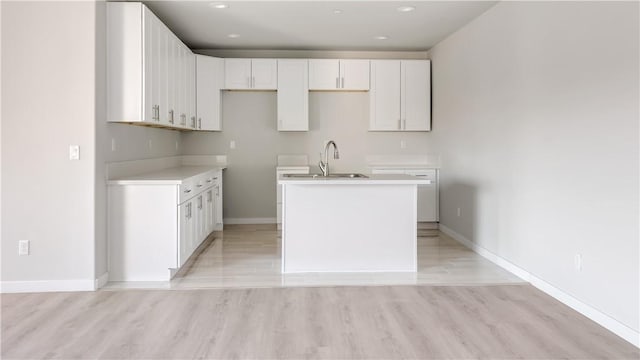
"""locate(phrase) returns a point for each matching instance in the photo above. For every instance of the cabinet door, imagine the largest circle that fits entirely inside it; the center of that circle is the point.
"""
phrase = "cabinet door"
(170, 114)
(200, 222)
(151, 72)
(293, 95)
(324, 74)
(191, 89)
(264, 74)
(210, 214)
(218, 201)
(354, 74)
(237, 74)
(416, 95)
(384, 96)
(186, 231)
(209, 83)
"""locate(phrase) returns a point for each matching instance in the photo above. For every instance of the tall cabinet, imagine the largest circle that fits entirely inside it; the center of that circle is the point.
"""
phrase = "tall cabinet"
(293, 95)
(209, 84)
(400, 95)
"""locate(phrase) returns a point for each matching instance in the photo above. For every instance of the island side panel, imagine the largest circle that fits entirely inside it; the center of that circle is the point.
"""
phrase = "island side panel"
(142, 232)
(349, 228)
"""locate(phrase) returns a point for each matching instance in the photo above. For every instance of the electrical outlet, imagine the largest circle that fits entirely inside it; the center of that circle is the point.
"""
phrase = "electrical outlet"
(577, 262)
(403, 144)
(232, 144)
(74, 152)
(23, 247)
(113, 144)
(459, 212)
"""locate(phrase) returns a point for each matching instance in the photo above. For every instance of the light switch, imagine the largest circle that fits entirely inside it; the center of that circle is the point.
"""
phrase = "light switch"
(74, 152)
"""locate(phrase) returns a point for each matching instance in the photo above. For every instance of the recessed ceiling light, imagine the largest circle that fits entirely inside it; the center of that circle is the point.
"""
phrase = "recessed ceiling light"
(233, 36)
(381, 37)
(337, 11)
(406, 8)
(219, 5)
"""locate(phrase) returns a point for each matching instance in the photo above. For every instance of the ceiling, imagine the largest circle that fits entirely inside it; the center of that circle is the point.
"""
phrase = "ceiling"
(315, 25)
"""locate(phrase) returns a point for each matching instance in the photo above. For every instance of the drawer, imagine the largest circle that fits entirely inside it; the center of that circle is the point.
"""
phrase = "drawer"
(187, 190)
(429, 174)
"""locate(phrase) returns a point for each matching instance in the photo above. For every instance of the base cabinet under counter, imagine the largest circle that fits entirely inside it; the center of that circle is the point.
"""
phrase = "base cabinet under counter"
(155, 228)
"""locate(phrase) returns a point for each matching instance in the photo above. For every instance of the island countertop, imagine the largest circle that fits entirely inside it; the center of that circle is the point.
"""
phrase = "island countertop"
(374, 179)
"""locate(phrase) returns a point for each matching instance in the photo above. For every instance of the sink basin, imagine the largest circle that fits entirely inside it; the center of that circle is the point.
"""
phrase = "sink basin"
(352, 176)
(303, 176)
(332, 176)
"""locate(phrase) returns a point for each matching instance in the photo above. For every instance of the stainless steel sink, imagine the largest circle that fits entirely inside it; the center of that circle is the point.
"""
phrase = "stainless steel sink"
(332, 176)
(303, 176)
(352, 176)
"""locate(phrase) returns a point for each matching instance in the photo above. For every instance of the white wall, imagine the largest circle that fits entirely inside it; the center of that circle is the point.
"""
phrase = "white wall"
(536, 117)
(249, 118)
(48, 97)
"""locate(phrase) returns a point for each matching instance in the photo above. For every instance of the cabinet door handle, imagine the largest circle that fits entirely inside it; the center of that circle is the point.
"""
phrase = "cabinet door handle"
(199, 185)
(187, 191)
(342, 82)
(200, 123)
(337, 83)
(171, 116)
(253, 81)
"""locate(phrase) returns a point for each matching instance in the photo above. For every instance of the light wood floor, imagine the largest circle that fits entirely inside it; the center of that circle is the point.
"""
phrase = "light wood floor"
(249, 256)
(376, 322)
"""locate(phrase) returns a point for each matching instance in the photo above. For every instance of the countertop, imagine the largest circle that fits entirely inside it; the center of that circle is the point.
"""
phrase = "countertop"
(170, 176)
(398, 179)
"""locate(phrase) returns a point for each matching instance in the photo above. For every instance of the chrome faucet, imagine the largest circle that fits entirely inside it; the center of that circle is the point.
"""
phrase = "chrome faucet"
(324, 165)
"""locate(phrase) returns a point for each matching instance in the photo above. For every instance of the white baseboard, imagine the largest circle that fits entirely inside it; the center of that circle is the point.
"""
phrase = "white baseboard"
(238, 221)
(101, 281)
(592, 313)
(47, 286)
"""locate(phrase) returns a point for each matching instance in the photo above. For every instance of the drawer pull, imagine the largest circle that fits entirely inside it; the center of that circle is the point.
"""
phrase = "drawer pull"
(187, 191)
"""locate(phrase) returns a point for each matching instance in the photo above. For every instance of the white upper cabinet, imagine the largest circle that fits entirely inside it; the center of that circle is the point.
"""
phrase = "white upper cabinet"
(237, 74)
(210, 81)
(354, 74)
(416, 94)
(384, 96)
(332, 74)
(293, 95)
(150, 72)
(400, 95)
(246, 74)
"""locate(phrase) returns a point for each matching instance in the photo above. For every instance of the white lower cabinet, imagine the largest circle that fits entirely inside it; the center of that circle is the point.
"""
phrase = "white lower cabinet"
(428, 202)
(155, 228)
(187, 227)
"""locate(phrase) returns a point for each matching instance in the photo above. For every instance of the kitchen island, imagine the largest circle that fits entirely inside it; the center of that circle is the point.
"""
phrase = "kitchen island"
(341, 224)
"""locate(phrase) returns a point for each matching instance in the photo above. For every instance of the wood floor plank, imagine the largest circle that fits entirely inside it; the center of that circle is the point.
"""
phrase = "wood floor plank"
(378, 322)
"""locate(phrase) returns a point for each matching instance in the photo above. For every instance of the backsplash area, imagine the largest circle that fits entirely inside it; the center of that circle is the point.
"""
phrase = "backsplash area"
(249, 120)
